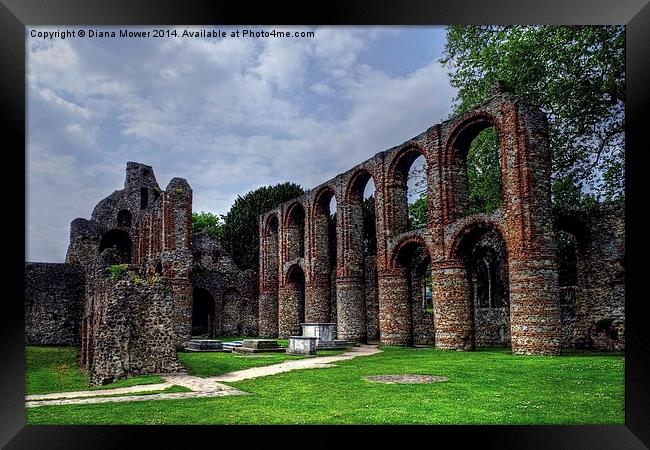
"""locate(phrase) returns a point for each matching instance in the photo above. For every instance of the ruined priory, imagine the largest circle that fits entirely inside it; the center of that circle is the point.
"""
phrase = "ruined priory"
(137, 283)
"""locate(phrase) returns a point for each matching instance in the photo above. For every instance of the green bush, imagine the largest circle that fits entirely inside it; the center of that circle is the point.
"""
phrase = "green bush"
(117, 270)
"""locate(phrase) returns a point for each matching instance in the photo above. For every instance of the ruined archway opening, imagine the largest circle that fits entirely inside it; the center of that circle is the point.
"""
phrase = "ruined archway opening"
(415, 258)
(144, 197)
(320, 302)
(115, 245)
(485, 254)
(408, 191)
(417, 194)
(476, 170)
(124, 218)
(203, 313)
(296, 232)
(296, 288)
(567, 265)
(271, 251)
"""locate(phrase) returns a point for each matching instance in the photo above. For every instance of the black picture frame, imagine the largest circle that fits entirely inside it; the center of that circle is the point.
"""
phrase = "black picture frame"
(15, 15)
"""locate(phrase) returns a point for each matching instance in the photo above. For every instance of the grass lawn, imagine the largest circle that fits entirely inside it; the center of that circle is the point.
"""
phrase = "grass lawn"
(56, 369)
(207, 364)
(484, 387)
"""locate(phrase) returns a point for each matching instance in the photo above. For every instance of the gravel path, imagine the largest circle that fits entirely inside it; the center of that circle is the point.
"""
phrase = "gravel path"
(201, 387)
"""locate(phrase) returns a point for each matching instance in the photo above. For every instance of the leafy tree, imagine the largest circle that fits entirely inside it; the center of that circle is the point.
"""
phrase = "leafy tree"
(369, 230)
(240, 231)
(575, 74)
(206, 221)
(418, 213)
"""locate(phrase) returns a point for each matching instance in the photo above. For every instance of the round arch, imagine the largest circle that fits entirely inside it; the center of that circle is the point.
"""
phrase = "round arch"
(118, 240)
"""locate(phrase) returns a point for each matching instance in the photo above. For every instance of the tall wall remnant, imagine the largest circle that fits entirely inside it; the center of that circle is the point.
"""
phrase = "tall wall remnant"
(133, 288)
(294, 269)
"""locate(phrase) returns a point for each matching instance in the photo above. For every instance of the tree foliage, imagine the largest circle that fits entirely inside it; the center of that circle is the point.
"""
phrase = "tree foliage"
(418, 213)
(208, 222)
(240, 231)
(369, 229)
(575, 74)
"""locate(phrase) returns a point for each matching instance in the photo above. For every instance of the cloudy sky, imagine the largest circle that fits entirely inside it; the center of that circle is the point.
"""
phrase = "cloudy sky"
(229, 115)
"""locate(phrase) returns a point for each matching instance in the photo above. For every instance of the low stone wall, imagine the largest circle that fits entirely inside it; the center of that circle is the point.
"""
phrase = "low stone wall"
(53, 301)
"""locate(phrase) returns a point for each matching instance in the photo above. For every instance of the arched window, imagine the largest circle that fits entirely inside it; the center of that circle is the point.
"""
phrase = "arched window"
(144, 197)
(119, 242)
(124, 218)
(476, 168)
(296, 231)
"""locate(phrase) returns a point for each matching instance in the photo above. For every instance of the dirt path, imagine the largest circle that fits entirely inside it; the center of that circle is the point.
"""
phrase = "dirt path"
(201, 387)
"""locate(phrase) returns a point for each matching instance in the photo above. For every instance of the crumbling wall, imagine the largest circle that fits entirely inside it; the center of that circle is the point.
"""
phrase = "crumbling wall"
(53, 303)
(130, 321)
(234, 291)
(596, 317)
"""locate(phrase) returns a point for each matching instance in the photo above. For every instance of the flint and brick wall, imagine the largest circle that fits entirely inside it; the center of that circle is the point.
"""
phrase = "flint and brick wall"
(524, 221)
(53, 303)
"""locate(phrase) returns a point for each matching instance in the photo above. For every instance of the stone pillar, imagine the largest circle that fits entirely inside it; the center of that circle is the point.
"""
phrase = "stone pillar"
(289, 306)
(268, 314)
(395, 321)
(182, 315)
(317, 299)
(535, 319)
(452, 313)
(351, 309)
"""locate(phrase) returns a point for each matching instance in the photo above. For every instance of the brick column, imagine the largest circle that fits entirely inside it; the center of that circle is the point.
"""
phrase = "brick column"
(395, 321)
(350, 309)
(317, 298)
(452, 314)
(535, 319)
(268, 314)
(182, 316)
(289, 311)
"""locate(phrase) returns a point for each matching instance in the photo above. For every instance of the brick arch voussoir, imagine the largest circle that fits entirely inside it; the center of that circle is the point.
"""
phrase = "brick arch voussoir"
(481, 223)
(267, 222)
(293, 204)
(398, 153)
(394, 254)
(352, 179)
(467, 122)
(323, 190)
(291, 268)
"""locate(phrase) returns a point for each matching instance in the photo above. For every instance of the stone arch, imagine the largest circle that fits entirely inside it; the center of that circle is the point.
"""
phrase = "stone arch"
(350, 289)
(323, 256)
(232, 311)
(268, 296)
(409, 241)
(456, 150)
(478, 224)
(295, 230)
(270, 243)
(204, 313)
(396, 183)
(402, 319)
(574, 226)
(481, 248)
(120, 242)
(124, 218)
(292, 303)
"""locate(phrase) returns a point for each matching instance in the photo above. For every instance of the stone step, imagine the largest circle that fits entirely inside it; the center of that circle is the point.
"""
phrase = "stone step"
(230, 346)
(204, 345)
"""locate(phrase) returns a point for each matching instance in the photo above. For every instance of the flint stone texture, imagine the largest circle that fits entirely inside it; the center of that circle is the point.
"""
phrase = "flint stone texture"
(530, 321)
(53, 303)
(133, 323)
